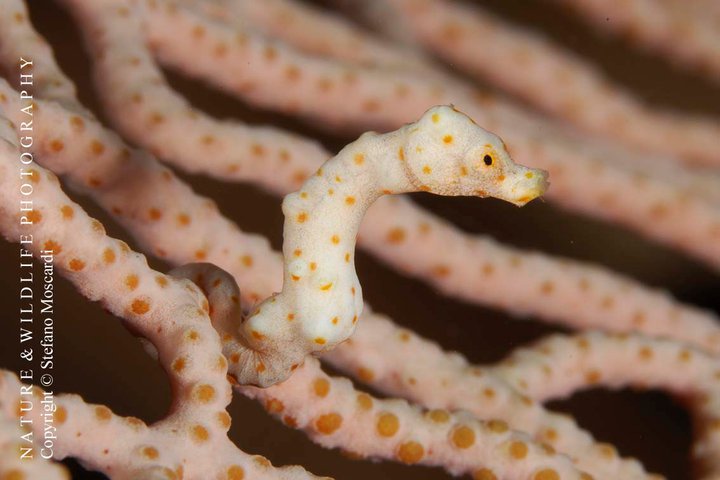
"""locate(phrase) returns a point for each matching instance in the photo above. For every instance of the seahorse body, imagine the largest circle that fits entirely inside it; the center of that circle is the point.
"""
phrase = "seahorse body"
(444, 153)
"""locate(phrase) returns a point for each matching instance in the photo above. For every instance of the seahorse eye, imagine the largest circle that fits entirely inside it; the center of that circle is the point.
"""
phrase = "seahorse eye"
(488, 159)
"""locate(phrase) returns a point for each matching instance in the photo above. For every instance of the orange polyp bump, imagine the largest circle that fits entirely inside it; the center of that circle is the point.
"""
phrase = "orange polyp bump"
(463, 437)
(329, 423)
(410, 452)
(140, 307)
(387, 424)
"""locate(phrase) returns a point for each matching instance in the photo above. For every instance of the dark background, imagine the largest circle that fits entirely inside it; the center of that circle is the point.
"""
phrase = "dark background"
(98, 359)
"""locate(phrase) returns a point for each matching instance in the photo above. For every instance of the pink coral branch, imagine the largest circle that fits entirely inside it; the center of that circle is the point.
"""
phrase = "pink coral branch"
(377, 354)
(313, 31)
(550, 78)
(13, 464)
(396, 96)
(674, 29)
(171, 314)
(339, 416)
(125, 448)
(19, 38)
(558, 366)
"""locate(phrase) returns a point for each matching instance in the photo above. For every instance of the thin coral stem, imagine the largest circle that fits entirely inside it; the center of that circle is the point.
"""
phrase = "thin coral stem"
(558, 366)
(13, 463)
(339, 415)
(377, 355)
(125, 448)
(684, 34)
(314, 31)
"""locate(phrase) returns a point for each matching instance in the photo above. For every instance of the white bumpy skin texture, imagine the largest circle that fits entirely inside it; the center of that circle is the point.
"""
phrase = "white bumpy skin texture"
(444, 153)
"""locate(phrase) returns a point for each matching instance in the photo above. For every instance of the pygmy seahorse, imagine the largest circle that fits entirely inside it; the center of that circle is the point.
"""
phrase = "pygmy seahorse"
(444, 153)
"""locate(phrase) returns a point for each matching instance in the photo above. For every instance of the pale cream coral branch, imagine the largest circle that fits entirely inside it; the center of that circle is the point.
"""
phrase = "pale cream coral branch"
(20, 40)
(408, 86)
(556, 367)
(271, 16)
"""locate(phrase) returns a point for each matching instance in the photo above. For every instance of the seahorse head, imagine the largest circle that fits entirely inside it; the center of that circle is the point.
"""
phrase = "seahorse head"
(449, 154)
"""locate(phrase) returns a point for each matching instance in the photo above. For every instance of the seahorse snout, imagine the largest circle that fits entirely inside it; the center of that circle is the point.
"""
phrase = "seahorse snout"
(530, 184)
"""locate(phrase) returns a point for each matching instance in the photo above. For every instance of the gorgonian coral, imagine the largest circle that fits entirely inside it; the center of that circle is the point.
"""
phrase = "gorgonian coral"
(220, 323)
